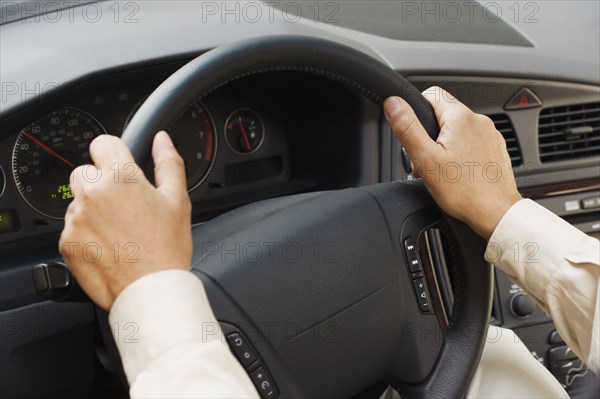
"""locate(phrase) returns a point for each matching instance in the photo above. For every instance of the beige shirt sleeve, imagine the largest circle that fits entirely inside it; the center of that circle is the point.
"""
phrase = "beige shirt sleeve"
(507, 370)
(170, 341)
(559, 267)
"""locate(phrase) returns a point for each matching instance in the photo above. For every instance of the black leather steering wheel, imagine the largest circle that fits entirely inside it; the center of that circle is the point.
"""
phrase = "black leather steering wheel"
(320, 284)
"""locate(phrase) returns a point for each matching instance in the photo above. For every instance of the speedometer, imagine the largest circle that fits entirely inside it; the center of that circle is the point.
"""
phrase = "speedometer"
(46, 152)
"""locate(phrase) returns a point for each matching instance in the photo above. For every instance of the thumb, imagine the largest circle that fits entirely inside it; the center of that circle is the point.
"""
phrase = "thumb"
(407, 128)
(169, 169)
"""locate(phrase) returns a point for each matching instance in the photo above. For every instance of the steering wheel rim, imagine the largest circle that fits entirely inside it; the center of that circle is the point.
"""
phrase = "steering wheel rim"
(343, 64)
(460, 352)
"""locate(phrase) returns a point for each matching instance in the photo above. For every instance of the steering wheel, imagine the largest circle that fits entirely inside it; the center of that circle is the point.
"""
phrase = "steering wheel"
(325, 290)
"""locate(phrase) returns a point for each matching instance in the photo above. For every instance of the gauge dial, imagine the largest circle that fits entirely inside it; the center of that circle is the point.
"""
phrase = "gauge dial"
(133, 111)
(193, 135)
(46, 152)
(244, 131)
(2, 181)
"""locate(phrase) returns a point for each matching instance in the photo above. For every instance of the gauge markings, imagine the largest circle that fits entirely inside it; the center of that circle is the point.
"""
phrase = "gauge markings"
(45, 154)
(48, 149)
(194, 136)
(244, 131)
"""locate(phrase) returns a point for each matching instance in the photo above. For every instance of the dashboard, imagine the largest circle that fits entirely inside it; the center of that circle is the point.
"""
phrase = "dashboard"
(271, 135)
(260, 137)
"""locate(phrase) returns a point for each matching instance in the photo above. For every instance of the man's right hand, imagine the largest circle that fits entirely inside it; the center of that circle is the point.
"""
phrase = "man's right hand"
(130, 227)
(467, 170)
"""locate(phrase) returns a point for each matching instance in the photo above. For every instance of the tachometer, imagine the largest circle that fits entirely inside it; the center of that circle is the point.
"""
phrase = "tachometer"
(46, 152)
(194, 137)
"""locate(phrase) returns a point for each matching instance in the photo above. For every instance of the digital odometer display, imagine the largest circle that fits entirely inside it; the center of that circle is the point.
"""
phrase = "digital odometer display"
(46, 152)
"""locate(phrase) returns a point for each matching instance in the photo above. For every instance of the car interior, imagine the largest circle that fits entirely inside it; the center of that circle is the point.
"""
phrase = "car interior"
(276, 110)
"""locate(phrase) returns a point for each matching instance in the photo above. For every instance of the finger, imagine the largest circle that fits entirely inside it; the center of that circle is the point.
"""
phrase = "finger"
(444, 104)
(169, 169)
(71, 210)
(407, 128)
(80, 176)
(107, 150)
(67, 245)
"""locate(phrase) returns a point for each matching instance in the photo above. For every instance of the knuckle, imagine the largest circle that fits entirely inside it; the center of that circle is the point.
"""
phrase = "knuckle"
(71, 211)
(176, 159)
(501, 141)
(103, 142)
(72, 223)
(94, 191)
(438, 95)
(412, 124)
(78, 171)
(432, 89)
(404, 123)
(82, 177)
(465, 115)
(485, 121)
(66, 237)
(433, 94)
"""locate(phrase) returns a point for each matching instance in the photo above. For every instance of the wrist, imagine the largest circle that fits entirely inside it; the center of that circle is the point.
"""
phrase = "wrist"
(487, 220)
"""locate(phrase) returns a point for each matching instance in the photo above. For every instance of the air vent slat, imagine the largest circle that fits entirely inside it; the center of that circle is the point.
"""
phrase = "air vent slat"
(504, 126)
(561, 134)
(507, 130)
(572, 113)
(570, 142)
(552, 134)
(569, 132)
(569, 123)
(588, 151)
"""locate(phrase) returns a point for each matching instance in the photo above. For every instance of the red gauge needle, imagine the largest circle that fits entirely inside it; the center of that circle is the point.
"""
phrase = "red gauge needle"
(243, 129)
(49, 150)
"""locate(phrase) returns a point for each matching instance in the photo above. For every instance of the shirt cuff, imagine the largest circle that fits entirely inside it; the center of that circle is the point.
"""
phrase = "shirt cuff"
(530, 243)
(157, 312)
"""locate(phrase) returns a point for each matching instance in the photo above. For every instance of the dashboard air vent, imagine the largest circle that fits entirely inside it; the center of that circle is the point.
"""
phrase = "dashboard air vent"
(504, 126)
(569, 132)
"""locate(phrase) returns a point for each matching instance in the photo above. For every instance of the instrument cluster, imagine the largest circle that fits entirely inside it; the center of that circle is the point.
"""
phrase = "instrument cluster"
(224, 141)
(259, 137)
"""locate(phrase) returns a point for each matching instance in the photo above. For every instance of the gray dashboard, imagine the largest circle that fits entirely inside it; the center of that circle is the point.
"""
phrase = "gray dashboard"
(43, 54)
